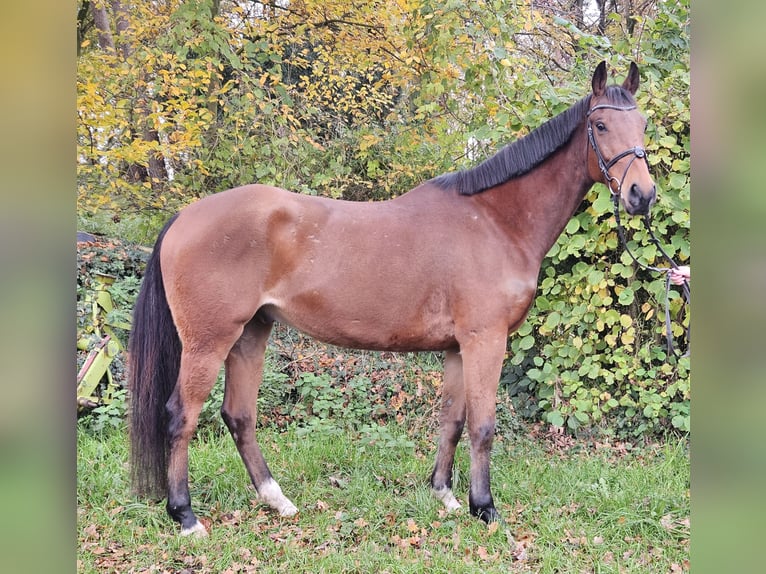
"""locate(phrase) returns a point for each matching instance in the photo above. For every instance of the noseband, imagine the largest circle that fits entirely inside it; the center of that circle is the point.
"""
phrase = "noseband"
(605, 166)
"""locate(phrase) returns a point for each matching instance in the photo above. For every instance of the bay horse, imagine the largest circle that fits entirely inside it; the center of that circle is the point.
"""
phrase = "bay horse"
(451, 265)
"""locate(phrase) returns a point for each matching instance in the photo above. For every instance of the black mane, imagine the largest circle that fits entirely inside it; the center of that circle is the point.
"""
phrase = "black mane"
(521, 156)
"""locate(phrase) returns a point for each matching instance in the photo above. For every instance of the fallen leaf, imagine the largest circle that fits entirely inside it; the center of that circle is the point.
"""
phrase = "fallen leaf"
(484, 555)
(337, 482)
(91, 532)
(207, 523)
(412, 525)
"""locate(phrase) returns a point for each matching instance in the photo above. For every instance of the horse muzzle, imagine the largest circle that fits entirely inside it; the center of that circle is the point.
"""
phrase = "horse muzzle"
(638, 201)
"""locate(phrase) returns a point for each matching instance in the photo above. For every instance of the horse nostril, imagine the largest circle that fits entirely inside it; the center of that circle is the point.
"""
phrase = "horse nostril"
(637, 197)
(639, 202)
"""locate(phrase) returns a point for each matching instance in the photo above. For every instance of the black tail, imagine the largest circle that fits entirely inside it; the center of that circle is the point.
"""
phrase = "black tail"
(155, 356)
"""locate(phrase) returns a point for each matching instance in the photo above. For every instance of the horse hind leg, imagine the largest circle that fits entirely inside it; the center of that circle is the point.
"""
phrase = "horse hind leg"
(451, 422)
(197, 375)
(244, 373)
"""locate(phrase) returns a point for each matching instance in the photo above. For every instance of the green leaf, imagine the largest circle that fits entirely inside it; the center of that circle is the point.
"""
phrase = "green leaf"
(581, 416)
(525, 329)
(595, 277)
(668, 141)
(553, 320)
(603, 203)
(555, 418)
(535, 374)
(677, 180)
(681, 422)
(526, 343)
(626, 296)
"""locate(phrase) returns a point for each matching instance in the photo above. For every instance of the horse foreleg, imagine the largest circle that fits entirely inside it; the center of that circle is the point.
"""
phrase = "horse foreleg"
(244, 373)
(451, 422)
(482, 363)
(196, 378)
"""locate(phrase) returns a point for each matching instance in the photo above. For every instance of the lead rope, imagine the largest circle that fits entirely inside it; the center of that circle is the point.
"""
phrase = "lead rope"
(686, 290)
(666, 270)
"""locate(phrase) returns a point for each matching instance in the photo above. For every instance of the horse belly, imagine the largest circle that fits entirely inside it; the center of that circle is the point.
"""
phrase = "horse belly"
(375, 322)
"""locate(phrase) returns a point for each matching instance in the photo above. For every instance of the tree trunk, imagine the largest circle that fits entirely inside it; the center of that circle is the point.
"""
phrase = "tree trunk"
(121, 22)
(154, 171)
(579, 17)
(83, 24)
(601, 16)
(213, 87)
(101, 20)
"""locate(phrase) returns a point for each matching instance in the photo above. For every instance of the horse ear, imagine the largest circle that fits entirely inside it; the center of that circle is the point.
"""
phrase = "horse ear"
(599, 80)
(631, 82)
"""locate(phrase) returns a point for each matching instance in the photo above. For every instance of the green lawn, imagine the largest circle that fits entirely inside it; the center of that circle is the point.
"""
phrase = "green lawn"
(365, 507)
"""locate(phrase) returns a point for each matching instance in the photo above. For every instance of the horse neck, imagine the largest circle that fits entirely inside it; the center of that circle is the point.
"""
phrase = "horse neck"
(535, 208)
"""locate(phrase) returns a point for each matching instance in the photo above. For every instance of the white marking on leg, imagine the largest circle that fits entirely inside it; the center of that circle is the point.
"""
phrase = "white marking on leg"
(198, 530)
(448, 499)
(270, 493)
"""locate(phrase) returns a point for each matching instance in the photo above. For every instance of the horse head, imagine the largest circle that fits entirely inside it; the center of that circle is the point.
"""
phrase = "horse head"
(616, 131)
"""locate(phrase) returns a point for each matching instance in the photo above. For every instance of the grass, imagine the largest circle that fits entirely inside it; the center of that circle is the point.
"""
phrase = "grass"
(365, 507)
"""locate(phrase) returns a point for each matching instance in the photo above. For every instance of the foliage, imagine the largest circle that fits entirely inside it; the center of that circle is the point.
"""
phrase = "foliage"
(364, 101)
(110, 416)
(313, 387)
(125, 263)
(257, 93)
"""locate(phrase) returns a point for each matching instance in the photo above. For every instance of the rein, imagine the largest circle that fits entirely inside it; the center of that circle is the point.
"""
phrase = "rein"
(604, 166)
(666, 270)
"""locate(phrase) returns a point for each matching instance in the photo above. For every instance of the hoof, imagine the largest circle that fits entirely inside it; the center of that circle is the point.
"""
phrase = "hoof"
(448, 499)
(288, 509)
(270, 493)
(197, 530)
(488, 514)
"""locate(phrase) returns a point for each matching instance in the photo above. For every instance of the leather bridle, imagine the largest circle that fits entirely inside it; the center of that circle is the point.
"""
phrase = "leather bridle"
(637, 152)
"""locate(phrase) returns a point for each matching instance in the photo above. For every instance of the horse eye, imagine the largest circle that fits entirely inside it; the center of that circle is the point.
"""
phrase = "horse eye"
(600, 126)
